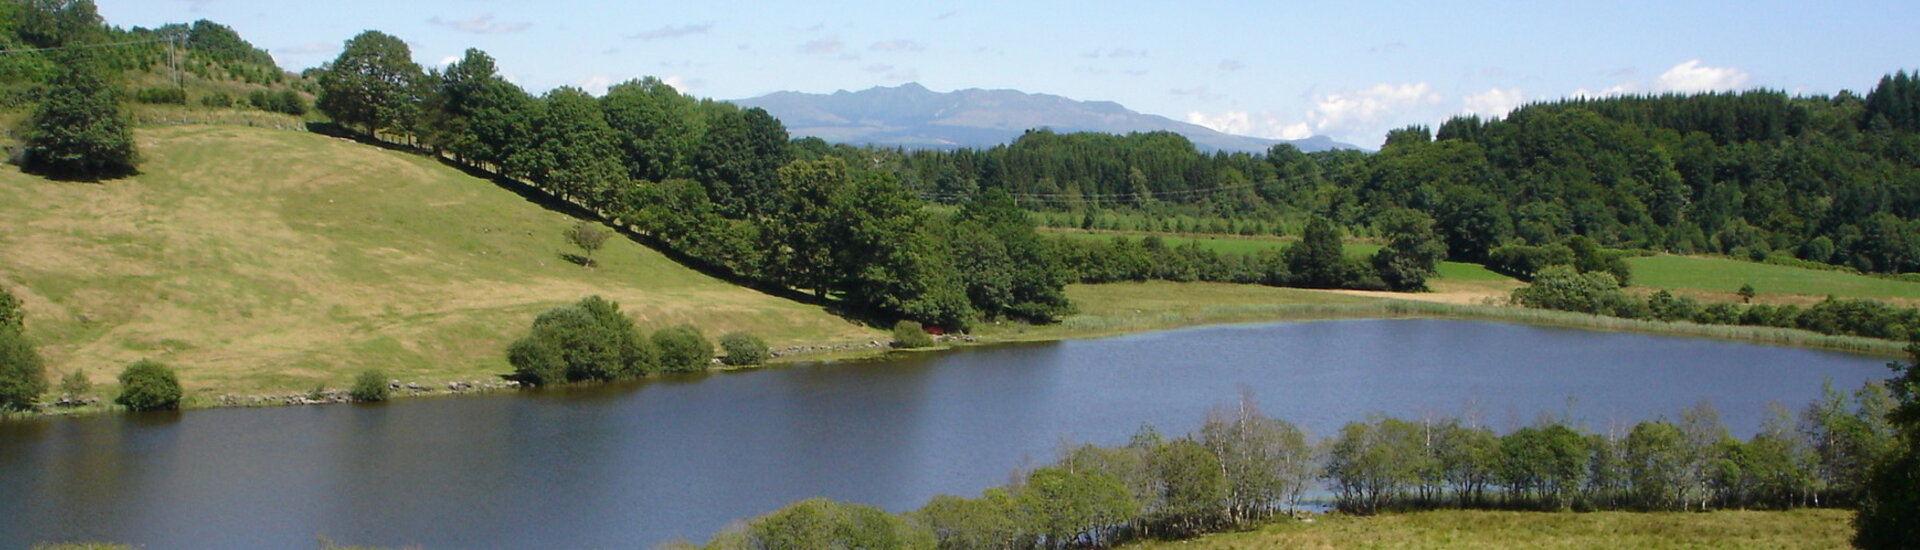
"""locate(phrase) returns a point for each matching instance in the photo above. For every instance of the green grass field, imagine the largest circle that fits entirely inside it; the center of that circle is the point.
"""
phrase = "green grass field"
(1247, 245)
(1724, 276)
(1790, 530)
(258, 260)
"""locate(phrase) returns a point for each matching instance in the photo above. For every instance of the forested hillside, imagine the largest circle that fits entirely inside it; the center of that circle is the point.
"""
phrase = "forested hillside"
(1830, 179)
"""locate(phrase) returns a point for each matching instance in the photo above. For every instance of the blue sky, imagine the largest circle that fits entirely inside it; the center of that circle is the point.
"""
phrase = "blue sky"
(1350, 70)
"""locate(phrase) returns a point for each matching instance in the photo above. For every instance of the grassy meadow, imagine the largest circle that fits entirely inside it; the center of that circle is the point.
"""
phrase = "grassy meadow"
(1473, 529)
(1721, 277)
(257, 260)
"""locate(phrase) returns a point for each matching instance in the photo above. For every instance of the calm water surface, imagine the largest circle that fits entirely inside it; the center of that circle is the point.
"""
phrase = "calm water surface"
(635, 465)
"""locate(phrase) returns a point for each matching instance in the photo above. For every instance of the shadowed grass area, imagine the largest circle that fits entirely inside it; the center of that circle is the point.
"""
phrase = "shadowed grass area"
(1723, 275)
(257, 260)
(1471, 529)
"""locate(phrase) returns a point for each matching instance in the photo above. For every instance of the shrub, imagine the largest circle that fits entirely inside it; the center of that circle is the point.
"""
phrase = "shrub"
(165, 95)
(822, 523)
(22, 377)
(682, 348)
(908, 334)
(219, 100)
(1561, 287)
(743, 349)
(590, 340)
(75, 383)
(147, 385)
(370, 386)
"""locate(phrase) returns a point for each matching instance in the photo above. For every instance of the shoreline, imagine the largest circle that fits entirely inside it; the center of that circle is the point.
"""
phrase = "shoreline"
(1082, 327)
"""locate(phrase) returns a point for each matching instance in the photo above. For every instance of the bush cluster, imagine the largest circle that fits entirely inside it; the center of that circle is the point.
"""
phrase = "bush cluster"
(1562, 288)
(744, 349)
(589, 340)
(147, 385)
(370, 387)
(908, 334)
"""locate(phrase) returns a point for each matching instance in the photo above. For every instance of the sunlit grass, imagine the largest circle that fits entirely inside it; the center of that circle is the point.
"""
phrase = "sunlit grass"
(257, 260)
(1470, 529)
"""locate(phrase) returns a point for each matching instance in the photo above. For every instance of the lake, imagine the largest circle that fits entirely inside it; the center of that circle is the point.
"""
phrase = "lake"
(633, 465)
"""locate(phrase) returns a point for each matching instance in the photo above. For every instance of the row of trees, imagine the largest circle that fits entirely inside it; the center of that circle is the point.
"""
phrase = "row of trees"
(719, 185)
(1241, 468)
(1562, 287)
(1319, 260)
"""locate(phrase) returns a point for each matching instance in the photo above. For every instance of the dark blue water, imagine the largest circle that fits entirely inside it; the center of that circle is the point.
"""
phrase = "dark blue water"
(636, 465)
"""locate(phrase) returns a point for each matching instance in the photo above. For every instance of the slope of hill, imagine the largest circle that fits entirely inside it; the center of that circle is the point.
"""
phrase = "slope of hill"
(263, 260)
(912, 116)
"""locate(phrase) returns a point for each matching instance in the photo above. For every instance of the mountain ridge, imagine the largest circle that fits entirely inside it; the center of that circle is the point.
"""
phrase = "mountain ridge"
(912, 116)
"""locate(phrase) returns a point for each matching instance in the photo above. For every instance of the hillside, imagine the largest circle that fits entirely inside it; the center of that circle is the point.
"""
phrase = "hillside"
(912, 116)
(263, 260)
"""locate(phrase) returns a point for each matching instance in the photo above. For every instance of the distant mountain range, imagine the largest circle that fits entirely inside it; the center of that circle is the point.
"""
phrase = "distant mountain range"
(912, 116)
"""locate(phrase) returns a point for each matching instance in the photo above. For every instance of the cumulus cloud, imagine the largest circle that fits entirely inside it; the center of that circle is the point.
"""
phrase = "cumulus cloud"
(897, 46)
(482, 24)
(1692, 77)
(1342, 114)
(681, 83)
(1231, 65)
(1266, 124)
(1495, 102)
(596, 84)
(1354, 109)
(449, 60)
(824, 46)
(671, 31)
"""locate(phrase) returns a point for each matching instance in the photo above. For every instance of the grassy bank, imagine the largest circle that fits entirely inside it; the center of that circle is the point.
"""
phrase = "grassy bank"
(265, 261)
(1232, 244)
(1795, 529)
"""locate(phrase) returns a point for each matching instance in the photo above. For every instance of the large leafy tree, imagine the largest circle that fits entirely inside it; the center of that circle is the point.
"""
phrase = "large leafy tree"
(658, 130)
(1319, 260)
(1891, 504)
(374, 84)
(22, 376)
(740, 160)
(576, 155)
(80, 129)
(1412, 249)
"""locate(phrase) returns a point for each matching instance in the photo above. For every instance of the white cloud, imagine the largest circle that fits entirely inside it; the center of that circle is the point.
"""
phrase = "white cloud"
(1266, 124)
(823, 46)
(671, 31)
(1610, 91)
(449, 60)
(1343, 114)
(596, 84)
(1356, 109)
(1495, 102)
(897, 46)
(682, 84)
(482, 24)
(1691, 77)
